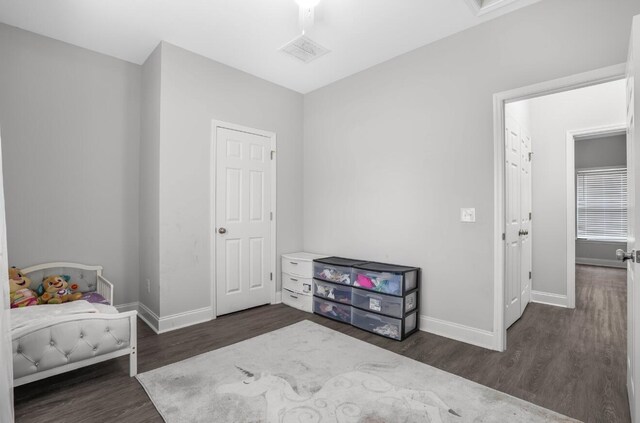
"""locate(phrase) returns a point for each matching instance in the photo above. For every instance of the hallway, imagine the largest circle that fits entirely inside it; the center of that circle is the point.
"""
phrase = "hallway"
(574, 361)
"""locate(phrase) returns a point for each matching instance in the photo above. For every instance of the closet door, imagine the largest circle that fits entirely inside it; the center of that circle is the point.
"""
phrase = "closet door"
(243, 220)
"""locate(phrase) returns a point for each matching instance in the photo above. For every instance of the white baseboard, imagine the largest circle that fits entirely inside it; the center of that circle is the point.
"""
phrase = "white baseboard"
(149, 317)
(184, 319)
(127, 307)
(479, 337)
(601, 262)
(549, 299)
(174, 321)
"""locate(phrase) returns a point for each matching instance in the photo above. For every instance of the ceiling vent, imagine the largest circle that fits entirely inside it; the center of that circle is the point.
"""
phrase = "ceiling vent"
(304, 49)
(480, 7)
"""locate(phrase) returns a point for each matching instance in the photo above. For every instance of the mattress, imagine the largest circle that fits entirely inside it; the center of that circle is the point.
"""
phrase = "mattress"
(34, 317)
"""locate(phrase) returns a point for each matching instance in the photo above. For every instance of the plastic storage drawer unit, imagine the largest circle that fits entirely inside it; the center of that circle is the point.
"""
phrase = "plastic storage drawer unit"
(299, 264)
(296, 300)
(332, 291)
(382, 325)
(335, 311)
(296, 284)
(385, 278)
(335, 269)
(384, 304)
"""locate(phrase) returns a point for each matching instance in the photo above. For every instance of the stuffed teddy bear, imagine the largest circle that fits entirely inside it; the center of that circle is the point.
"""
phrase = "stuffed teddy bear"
(20, 295)
(57, 290)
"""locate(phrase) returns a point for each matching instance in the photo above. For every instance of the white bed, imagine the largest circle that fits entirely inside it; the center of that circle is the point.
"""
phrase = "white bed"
(51, 339)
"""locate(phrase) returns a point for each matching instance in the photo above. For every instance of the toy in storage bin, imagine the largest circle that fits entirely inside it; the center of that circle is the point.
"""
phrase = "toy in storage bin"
(387, 305)
(389, 327)
(332, 310)
(335, 269)
(335, 292)
(387, 279)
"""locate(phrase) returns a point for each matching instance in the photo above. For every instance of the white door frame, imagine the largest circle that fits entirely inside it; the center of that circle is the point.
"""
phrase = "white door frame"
(6, 366)
(599, 76)
(572, 137)
(212, 230)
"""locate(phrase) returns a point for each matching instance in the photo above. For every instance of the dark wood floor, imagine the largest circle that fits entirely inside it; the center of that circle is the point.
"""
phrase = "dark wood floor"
(570, 361)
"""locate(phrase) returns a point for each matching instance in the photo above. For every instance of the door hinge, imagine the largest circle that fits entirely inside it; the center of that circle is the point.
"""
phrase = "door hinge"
(530, 275)
(530, 155)
(504, 236)
(530, 215)
(271, 276)
(271, 215)
(272, 152)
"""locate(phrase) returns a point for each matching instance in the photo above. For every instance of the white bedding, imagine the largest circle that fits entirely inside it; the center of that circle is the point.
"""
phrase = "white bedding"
(40, 315)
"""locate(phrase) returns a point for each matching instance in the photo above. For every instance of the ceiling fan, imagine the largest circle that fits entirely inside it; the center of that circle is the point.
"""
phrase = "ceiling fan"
(307, 13)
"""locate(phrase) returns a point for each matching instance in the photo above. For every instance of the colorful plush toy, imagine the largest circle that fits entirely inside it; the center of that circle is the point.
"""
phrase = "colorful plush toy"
(56, 290)
(20, 295)
(364, 282)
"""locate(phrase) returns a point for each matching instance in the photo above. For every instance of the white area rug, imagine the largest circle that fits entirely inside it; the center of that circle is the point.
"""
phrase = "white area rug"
(308, 373)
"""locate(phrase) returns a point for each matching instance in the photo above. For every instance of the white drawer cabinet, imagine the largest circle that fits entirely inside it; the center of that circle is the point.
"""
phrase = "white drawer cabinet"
(296, 284)
(296, 300)
(299, 264)
(297, 280)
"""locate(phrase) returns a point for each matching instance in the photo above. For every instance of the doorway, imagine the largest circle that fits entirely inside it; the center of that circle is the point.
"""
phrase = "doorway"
(243, 232)
(596, 198)
(626, 73)
(578, 179)
(501, 102)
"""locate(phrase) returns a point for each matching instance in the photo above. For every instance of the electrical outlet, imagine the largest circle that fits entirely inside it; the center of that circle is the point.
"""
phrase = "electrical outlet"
(148, 286)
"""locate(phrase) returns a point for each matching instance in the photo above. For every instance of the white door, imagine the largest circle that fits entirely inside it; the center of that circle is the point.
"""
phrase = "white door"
(513, 308)
(518, 225)
(6, 356)
(633, 266)
(243, 220)
(525, 219)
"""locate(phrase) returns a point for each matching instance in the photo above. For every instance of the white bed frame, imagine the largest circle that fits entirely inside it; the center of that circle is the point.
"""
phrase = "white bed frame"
(104, 288)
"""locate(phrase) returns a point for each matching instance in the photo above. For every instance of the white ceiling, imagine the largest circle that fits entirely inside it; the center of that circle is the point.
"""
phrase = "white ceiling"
(246, 34)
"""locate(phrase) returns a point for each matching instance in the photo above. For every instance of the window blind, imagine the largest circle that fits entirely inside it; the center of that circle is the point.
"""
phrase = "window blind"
(602, 204)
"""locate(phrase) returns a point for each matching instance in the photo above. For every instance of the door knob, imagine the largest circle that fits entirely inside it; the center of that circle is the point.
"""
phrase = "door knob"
(522, 232)
(623, 256)
(222, 231)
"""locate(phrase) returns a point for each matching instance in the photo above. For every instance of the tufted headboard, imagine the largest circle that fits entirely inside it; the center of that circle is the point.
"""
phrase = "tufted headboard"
(85, 276)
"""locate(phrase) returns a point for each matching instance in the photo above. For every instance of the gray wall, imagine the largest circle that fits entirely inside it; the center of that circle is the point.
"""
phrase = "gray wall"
(70, 132)
(593, 153)
(391, 154)
(150, 183)
(551, 118)
(194, 91)
(601, 152)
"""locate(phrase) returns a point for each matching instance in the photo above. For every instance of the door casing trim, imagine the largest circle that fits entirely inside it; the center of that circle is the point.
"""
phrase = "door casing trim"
(215, 124)
(582, 80)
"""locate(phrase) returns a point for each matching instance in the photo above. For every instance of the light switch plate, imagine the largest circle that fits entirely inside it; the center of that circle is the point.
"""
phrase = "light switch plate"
(468, 215)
